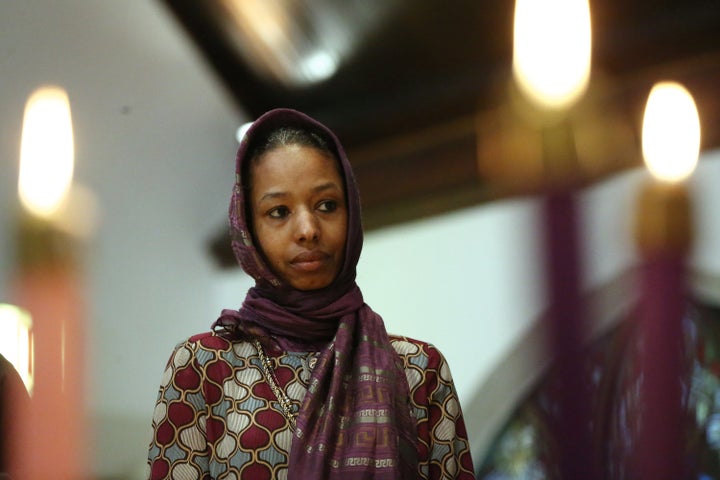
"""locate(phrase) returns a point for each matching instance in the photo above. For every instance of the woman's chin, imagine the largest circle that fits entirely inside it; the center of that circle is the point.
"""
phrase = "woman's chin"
(309, 284)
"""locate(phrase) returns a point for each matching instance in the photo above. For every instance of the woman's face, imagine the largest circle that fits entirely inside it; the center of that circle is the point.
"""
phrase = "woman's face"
(299, 214)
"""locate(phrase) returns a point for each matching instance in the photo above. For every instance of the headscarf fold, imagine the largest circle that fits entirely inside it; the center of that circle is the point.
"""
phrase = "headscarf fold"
(355, 420)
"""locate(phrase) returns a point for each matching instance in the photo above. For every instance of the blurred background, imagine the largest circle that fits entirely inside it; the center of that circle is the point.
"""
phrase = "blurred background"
(421, 97)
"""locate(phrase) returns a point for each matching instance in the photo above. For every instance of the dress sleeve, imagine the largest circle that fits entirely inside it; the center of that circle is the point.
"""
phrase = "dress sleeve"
(179, 448)
(444, 450)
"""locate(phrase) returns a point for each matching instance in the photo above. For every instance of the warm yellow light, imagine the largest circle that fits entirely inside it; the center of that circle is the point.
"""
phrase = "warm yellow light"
(16, 341)
(46, 151)
(670, 132)
(552, 46)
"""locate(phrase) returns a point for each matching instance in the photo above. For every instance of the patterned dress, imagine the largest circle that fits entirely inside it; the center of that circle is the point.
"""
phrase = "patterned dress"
(216, 417)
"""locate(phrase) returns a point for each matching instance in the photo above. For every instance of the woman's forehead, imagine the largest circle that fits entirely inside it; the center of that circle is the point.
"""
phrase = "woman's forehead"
(294, 157)
(296, 164)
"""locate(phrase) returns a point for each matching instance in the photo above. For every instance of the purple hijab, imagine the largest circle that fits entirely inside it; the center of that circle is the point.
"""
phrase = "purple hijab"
(355, 420)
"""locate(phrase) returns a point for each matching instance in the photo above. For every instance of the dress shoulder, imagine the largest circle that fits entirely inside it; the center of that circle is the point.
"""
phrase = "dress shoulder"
(211, 344)
(402, 343)
(207, 341)
(418, 353)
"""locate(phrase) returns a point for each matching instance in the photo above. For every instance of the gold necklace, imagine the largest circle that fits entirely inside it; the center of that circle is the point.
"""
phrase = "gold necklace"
(283, 399)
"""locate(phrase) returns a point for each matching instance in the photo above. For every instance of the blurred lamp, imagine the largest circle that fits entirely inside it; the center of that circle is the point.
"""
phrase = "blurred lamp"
(671, 132)
(551, 50)
(46, 152)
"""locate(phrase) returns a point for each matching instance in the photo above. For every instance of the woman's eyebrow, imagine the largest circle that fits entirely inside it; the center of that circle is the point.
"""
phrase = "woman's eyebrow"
(327, 186)
(272, 195)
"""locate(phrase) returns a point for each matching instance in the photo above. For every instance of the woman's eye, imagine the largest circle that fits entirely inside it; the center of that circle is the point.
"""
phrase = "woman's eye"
(328, 206)
(279, 212)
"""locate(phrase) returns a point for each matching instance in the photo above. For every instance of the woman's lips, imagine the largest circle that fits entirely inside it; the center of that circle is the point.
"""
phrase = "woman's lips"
(309, 261)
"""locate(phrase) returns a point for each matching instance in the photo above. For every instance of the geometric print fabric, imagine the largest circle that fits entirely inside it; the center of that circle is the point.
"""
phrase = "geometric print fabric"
(216, 417)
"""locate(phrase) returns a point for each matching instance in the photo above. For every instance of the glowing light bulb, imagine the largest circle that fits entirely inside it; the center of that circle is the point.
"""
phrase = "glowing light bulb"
(552, 46)
(46, 152)
(670, 132)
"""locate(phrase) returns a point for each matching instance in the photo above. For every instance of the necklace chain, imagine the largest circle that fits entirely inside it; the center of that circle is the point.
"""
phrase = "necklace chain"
(283, 399)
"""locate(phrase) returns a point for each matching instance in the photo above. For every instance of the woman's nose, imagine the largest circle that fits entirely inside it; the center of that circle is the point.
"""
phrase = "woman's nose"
(307, 227)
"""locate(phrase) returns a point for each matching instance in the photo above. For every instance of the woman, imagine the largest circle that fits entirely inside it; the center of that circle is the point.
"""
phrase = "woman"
(303, 382)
